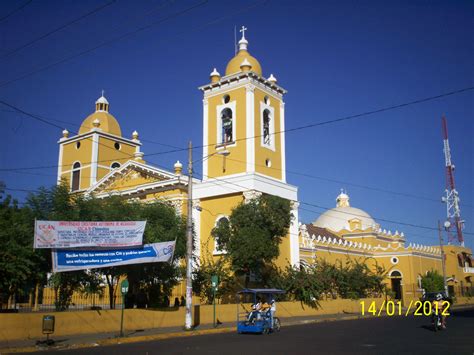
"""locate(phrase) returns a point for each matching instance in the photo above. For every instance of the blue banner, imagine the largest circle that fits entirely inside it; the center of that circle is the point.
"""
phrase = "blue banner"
(71, 260)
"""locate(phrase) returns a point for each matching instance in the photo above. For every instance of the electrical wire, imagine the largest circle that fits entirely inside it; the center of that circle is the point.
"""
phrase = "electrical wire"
(21, 7)
(118, 38)
(37, 39)
(328, 208)
(367, 113)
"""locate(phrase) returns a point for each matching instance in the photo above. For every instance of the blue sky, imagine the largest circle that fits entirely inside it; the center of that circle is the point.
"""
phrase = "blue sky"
(334, 58)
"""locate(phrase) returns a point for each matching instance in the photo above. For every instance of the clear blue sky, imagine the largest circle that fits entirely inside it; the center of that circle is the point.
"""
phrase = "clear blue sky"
(334, 58)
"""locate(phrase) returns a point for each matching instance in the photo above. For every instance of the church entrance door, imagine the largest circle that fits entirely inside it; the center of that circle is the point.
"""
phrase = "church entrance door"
(397, 288)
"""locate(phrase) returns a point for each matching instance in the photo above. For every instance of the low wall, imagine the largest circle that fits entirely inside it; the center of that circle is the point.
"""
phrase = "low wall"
(23, 326)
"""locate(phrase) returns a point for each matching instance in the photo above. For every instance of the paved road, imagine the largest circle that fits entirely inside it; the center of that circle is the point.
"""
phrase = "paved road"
(396, 335)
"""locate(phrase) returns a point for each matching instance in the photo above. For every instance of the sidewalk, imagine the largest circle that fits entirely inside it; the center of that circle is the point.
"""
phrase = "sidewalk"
(98, 339)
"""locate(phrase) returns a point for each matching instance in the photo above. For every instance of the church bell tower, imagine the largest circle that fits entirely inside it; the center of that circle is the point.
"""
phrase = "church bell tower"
(243, 148)
(243, 120)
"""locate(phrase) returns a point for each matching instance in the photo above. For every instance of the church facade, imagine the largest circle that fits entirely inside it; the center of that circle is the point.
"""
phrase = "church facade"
(243, 157)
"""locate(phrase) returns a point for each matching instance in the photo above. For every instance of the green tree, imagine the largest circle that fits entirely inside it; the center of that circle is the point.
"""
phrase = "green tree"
(253, 234)
(432, 281)
(18, 260)
(202, 284)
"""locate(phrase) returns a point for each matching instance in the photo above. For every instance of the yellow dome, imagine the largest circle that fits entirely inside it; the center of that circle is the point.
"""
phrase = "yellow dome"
(234, 64)
(107, 123)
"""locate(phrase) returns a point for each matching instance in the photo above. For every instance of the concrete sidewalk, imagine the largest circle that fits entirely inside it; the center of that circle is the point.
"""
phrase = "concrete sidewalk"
(98, 339)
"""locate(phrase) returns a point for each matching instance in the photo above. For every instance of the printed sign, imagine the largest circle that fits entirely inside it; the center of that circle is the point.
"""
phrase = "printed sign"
(69, 234)
(71, 260)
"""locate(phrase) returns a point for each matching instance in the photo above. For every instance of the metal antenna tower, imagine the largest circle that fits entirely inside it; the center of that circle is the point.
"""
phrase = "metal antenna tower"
(453, 212)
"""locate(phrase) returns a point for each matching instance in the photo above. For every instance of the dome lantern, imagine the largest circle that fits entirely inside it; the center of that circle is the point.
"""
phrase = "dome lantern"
(342, 200)
(102, 104)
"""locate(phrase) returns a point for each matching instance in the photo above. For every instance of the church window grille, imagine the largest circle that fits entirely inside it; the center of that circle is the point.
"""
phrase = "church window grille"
(266, 127)
(226, 99)
(227, 126)
(76, 176)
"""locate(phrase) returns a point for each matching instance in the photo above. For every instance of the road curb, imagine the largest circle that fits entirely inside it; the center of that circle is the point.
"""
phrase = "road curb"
(182, 334)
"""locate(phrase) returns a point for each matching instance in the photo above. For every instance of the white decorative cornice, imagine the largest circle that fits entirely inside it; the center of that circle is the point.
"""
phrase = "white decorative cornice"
(250, 195)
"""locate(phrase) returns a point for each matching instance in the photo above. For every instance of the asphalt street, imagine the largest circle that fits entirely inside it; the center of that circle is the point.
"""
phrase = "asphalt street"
(384, 335)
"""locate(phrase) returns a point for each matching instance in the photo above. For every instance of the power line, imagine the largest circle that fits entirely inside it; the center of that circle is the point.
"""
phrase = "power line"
(320, 213)
(328, 208)
(21, 7)
(349, 183)
(367, 113)
(58, 29)
(125, 35)
(46, 121)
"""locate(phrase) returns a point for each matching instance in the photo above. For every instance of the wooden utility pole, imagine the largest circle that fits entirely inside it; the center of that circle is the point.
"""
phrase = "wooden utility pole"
(189, 242)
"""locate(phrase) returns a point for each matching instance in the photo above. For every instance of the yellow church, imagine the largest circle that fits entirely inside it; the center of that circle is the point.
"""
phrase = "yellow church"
(243, 157)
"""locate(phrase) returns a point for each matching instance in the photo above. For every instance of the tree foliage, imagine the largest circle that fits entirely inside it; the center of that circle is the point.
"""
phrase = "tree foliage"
(253, 233)
(18, 260)
(432, 281)
(20, 264)
(311, 283)
(228, 283)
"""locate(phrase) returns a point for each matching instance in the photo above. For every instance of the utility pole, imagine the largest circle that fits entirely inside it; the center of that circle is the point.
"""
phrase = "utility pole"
(443, 262)
(189, 242)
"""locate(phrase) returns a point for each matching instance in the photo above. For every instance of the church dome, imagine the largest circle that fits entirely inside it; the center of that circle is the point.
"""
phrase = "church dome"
(101, 119)
(234, 65)
(338, 218)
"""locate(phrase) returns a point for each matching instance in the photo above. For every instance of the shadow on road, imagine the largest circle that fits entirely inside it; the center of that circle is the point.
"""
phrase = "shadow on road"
(427, 327)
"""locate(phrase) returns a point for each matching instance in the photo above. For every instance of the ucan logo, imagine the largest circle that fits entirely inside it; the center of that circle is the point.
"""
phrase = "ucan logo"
(46, 233)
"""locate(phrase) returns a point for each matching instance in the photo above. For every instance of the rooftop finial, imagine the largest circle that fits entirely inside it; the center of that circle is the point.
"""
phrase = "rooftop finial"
(243, 42)
(103, 92)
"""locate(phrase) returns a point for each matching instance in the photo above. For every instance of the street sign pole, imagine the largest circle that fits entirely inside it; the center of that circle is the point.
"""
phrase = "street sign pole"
(214, 282)
(124, 289)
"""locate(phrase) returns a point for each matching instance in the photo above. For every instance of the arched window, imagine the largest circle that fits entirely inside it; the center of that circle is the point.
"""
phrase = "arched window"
(227, 126)
(460, 260)
(395, 274)
(76, 176)
(115, 165)
(266, 127)
(221, 222)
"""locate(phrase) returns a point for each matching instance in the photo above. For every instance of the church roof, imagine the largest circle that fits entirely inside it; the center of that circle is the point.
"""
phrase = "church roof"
(323, 232)
(337, 219)
(107, 123)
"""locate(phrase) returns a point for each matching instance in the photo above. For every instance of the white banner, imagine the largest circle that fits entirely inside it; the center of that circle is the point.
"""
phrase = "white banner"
(71, 234)
(71, 260)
